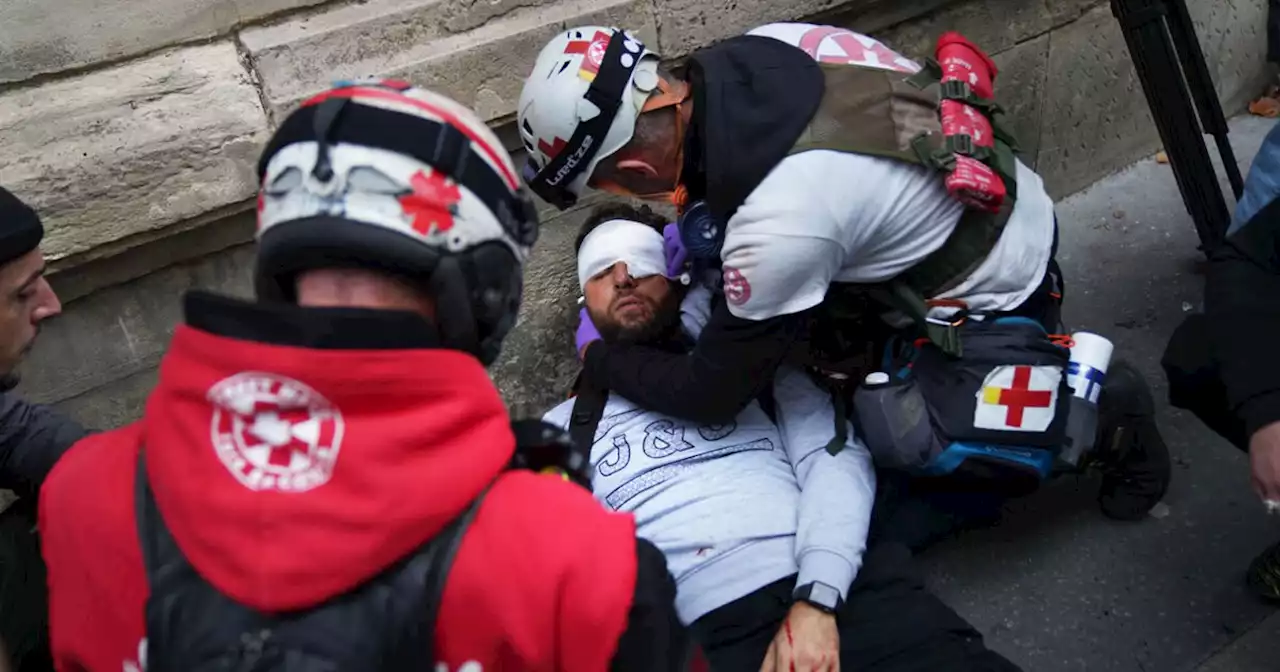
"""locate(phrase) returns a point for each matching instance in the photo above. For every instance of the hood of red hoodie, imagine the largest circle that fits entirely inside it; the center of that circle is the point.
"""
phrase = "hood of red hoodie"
(295, 453)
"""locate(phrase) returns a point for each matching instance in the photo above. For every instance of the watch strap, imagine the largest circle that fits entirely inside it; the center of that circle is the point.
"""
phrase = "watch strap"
(822, 596)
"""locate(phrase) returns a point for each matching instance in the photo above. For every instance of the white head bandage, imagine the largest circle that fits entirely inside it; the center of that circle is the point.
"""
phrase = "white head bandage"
(637, 245)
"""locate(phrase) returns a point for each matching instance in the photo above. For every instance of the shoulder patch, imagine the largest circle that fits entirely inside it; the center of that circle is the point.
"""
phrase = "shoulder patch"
(736, 288)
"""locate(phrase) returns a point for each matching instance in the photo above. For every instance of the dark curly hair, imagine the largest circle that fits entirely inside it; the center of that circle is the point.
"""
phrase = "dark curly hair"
(611, 211)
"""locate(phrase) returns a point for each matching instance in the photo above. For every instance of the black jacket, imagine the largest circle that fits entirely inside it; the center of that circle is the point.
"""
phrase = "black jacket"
(752, 98)
(32, 438)
(1242, 303)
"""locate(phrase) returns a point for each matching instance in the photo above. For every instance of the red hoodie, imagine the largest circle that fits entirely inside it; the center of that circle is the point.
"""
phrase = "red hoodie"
(288, 475)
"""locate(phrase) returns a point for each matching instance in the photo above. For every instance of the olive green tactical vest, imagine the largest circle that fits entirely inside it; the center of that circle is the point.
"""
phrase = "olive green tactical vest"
(894, 115)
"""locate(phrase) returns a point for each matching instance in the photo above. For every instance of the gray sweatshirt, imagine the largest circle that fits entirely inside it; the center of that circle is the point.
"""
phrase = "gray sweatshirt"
(739, 506)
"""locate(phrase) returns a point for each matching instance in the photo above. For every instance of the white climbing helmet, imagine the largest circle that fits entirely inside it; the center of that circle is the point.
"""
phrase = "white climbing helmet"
(383, 175)
(580, 104)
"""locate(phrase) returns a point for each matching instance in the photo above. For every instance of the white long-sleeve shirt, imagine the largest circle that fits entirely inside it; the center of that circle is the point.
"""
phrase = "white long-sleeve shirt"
(739, 506)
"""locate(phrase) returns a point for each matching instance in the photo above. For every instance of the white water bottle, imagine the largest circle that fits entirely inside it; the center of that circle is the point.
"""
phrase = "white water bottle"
(1086, 373)
(1090, 357)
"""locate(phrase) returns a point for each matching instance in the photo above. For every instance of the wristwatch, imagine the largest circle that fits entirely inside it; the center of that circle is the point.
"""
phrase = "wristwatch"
(825, 598)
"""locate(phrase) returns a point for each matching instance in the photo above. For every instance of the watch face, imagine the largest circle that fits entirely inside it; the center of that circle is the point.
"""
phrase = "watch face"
(824, 595)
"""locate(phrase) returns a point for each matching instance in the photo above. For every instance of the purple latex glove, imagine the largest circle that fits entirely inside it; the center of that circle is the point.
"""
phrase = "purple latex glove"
(673, 249)
(587, 332)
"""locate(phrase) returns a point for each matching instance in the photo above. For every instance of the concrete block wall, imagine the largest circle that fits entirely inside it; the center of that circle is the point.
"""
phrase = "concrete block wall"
(133, 126)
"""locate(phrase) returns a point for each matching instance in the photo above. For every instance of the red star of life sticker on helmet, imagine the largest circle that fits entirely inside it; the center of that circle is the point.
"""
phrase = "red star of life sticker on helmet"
(432, 203)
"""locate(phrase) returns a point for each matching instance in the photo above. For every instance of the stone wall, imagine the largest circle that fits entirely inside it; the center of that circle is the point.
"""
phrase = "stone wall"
(133, 126)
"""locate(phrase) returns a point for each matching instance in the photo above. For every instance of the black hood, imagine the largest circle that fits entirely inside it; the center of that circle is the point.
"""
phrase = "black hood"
(752, 98)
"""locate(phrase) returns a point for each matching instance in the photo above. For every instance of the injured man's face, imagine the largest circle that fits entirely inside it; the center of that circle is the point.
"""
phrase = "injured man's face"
(620, 271)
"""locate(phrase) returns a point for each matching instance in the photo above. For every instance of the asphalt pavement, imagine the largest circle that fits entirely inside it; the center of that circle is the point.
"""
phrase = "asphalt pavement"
(1056, 586)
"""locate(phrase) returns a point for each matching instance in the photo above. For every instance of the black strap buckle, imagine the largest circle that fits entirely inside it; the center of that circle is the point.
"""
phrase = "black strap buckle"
(930, 74)
(943, 161)
(960, 91)
(961, 143)
(957, 89)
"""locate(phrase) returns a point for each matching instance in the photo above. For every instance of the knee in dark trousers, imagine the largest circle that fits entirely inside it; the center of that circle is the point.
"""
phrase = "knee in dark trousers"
(1195, 380)
(894, 623)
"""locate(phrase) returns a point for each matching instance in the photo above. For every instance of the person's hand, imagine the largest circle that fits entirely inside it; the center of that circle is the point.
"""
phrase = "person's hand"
(673, 249)
(587, 333)
(808, 641)
(1264, 461)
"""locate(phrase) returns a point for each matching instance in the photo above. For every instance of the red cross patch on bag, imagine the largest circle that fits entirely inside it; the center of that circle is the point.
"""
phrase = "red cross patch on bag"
(1018, 398)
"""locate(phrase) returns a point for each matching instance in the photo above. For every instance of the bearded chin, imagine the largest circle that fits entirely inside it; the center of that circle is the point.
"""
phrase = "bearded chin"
(658, 326)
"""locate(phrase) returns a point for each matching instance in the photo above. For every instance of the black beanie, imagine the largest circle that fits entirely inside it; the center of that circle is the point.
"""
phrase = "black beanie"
(20, 229)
